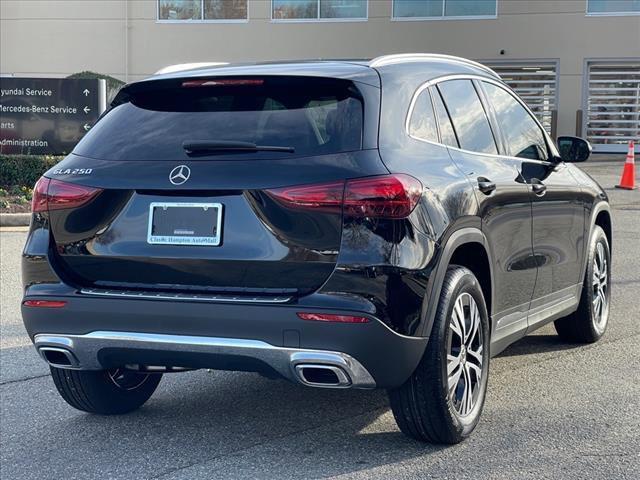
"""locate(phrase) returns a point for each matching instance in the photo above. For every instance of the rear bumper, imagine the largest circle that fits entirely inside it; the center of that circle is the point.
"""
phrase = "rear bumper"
(92, 351)
(103, 331)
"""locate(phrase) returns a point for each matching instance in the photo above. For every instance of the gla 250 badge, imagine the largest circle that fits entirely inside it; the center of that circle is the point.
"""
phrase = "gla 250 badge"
(73, 171)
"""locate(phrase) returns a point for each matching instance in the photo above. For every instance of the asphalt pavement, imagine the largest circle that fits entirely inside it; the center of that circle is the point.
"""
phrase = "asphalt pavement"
(553, 410)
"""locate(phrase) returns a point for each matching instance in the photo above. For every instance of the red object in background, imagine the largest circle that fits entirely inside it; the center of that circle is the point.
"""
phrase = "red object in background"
(628, 180)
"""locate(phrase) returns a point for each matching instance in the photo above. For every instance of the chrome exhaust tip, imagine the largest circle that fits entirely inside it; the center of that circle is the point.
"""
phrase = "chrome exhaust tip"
(59, 357)
(327, 376)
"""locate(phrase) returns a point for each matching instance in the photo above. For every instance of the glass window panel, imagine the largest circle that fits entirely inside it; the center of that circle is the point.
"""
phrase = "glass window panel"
(523, 135)
(417, 8)
(179, 10)
(468, 116)
(423, 121)
(469, 8)
(314, 116)
(295, 9)
(448, 8)
(225, 9)
(446, 127)
(343, 8)
(613, 6)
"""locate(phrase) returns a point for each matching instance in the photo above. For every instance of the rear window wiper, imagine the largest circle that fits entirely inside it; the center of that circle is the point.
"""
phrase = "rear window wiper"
(214, 146)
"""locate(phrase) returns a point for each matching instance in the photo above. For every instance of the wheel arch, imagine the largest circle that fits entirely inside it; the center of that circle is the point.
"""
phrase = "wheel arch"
(469, 248)
(603, 220)
(600, 216)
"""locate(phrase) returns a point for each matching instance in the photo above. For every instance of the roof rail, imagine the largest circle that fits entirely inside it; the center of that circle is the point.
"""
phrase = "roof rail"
(188, 66)
(418, 57)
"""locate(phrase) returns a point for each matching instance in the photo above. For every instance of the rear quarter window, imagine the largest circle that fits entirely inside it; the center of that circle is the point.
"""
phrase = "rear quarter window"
(422, 123)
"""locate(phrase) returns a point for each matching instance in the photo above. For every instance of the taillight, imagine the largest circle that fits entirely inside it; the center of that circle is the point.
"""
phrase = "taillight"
(385, 196)
(388, 196)
(325, 197)
(56, 195)
(330, 317)
(39, 198)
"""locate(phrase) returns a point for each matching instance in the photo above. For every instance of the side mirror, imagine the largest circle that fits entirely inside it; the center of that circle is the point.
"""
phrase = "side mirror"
(574, 149)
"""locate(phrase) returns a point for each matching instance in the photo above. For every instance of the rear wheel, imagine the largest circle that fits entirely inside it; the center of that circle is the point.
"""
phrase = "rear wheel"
(589, 322)
(106, 392)
(442, 400)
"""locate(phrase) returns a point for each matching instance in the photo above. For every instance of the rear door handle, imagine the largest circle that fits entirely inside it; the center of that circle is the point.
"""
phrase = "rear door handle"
(485, 185)
(538, 187)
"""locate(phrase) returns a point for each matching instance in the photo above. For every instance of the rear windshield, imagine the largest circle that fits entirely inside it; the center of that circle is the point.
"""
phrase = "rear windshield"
(308, 116)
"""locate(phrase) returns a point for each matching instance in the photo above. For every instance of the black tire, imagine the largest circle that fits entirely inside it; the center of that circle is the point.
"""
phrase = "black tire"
(424, 407)
(588, 323)
(105, 392)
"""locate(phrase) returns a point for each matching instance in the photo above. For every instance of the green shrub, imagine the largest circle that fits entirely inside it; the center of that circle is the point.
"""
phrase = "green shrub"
(23, 170)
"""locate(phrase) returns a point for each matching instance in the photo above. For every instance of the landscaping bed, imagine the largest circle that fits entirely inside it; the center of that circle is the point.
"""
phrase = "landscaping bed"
(18, 175)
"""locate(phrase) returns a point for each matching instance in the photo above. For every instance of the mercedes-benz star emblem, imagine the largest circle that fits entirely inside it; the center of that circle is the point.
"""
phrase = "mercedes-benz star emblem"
(179, 175)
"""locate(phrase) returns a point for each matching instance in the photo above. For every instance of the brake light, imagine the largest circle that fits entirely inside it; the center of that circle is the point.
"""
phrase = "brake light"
(388, 196)
(330, 317)
(228, 82)
(56, 195)
(325, 197)
(45, 303)
(39, 198)
(385, 196)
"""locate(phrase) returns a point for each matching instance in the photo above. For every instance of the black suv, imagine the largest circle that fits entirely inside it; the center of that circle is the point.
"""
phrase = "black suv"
(345, 224)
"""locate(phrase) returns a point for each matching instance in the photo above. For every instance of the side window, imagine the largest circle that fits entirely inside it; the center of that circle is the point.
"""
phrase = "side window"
(422, 124)
(524, 137)
(447, 132)
(468, 116)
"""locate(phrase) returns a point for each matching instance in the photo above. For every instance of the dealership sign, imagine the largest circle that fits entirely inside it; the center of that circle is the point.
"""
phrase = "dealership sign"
(47, 116)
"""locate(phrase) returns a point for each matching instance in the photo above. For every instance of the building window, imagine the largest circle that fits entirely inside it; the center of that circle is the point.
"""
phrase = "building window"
(319, 10)
(613, 7)
(202, 10)
(442, 9)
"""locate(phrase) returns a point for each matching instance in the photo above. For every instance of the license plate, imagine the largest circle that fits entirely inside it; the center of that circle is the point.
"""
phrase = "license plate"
(184, 223)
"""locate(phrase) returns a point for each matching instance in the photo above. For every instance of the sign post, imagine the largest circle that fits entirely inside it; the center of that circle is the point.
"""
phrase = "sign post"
(47, 116)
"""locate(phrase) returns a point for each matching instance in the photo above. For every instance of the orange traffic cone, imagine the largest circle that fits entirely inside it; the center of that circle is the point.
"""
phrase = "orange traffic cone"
(628, 180)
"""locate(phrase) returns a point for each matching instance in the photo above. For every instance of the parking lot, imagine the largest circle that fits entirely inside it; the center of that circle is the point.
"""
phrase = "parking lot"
(553, 410)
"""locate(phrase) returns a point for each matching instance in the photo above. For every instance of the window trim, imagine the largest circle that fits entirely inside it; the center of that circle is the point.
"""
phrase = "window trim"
(319, 19)
(443, 17)
(630, 13)
(434, 90)
(467, 76)
(201, 20)
(498, 135)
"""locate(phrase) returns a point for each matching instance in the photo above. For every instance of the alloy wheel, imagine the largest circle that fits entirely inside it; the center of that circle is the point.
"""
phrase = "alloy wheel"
(465, 355)
(600, 287)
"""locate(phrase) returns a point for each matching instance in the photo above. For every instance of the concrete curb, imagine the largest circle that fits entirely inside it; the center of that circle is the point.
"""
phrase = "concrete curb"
(15, 219)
